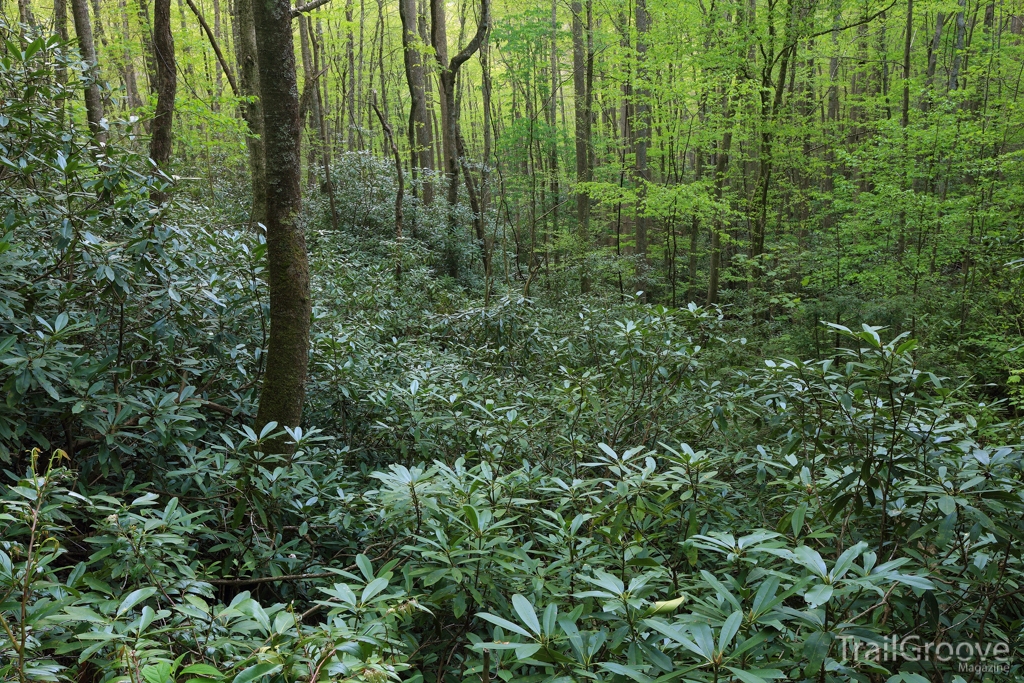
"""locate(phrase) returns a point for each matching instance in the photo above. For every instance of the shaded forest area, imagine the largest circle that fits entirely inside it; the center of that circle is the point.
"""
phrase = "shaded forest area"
(456, 342)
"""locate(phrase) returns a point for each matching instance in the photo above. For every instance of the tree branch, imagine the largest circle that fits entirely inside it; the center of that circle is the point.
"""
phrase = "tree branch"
(308, 7)
(216, 47)
(481, 31)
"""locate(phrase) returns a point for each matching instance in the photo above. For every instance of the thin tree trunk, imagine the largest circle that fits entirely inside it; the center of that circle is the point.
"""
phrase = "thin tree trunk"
(93, 98)
(309, 103)
(322, 125)
(25, 13)
(167, 85)
(420, 141)
(131, 83)
(958, 48)
(553, 122)
(283, 389)
(60, 25)
(252, 110)
(146, 29)
(399, 196)
(641, 120)
(933, 57)
(350, 93)
(907, 42)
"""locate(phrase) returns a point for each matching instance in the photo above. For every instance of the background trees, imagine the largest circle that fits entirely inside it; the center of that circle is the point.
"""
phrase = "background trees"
(513, 463)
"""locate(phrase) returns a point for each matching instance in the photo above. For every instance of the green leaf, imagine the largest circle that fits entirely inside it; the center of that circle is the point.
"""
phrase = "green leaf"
(627, 671)
(256, 671)
(526, 612)
(204, 670)
(797, 521)
(372, 588)
(818, 595)
(134, 598)
(504, 623)
(729, 630)
(755, 675)
(363, 562)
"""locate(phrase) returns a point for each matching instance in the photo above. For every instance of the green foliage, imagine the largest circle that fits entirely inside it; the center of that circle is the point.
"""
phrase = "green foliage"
(534, 489)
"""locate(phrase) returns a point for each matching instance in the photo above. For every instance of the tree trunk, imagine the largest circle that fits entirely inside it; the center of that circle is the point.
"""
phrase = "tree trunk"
(131, 83)
(958, 48)
(93, 99)
(907, 41)
(448, 70)
(60, 26)
(25, 13)
(350, 93)
(322, 126)
(933, 61)
(167, 84)
(420, 141)
(146, 29)
(641, 120)
(284, 382)
(582, 117)
(252, 111)
(309, 102)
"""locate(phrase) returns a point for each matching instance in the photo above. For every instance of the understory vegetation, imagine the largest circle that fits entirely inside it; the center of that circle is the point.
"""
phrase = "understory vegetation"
(494, 479)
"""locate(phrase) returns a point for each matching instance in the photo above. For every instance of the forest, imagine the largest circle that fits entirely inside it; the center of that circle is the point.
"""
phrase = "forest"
(512, 341)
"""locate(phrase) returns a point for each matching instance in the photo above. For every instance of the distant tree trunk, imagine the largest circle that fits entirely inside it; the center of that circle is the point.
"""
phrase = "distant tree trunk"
(309, 103)
(933, 61)
(958, 48)
(60, 25)
(448, 70)
(25, 13)
(97, 25)
(390, 141)
(907, 42)
(641, 126)
(146, 29)
(553, 120)
(721, 169)
(582, 117)
(167, 85)
(216, 39)
(420, 141)
(93, 98)
(284, 382)
(322, 126)
(350, 93)
(131, 84)
(485, 89)
(691, 287)
(252, 111)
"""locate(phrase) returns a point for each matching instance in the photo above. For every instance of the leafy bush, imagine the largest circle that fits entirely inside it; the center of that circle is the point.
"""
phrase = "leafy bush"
(530, 490)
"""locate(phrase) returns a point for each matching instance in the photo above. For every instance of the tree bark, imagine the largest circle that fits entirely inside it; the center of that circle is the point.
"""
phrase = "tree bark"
(167, 85)
(146, 29)
(958, 48)
(284, 382)
(325, 148)
(131, 83)
(448, 70)
(420, 141)
(25, 13)
(60, 26)
(252, 110)
(641, 126)
(93, 98)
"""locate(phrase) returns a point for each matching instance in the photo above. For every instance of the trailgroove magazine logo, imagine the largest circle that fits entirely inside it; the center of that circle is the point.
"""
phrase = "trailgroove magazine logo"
(963, 656)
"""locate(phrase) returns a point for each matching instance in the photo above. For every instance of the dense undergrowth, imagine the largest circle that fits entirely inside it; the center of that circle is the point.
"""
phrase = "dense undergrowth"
(535, 489)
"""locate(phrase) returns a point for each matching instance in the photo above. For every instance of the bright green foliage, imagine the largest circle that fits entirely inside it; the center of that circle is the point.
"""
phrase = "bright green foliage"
(532, 489)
